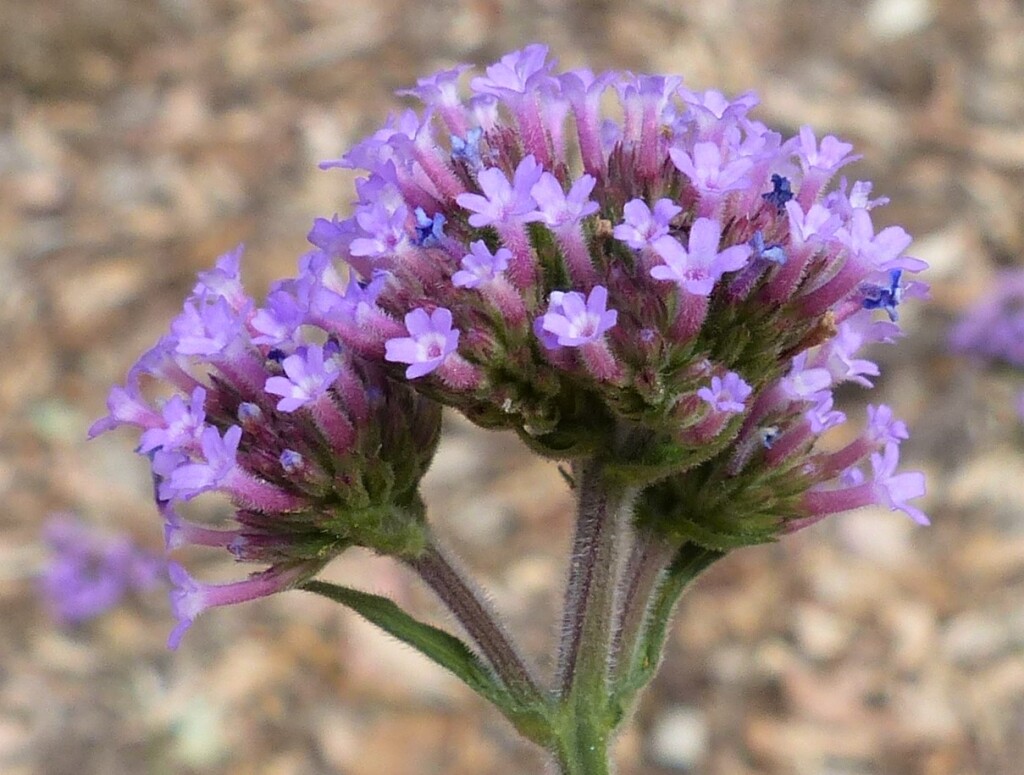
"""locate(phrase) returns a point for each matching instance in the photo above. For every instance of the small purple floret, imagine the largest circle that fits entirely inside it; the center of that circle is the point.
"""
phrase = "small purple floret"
(188, 480)
(642, 226)
(557, 209)
(308, 376)
(699, 266)
(431, 339)
(503, 201)
(726, 394)
(480, 266)
(573, 320)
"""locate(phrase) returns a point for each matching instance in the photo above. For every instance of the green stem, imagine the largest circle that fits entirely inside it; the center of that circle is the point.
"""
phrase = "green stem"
(585, 725)
(639, 667)
(440, 571)
(649, 557)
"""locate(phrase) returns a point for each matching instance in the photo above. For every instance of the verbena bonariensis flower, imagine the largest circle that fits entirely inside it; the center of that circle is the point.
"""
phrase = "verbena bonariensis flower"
(589, 282)
(315, 447)
(90, 571)
(666, 295)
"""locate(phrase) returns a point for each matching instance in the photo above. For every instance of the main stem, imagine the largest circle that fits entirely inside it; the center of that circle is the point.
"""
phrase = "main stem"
(586, 724)
(439, 570)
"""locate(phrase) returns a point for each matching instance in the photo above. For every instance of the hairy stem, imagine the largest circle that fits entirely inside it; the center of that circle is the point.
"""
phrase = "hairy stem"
(440, 571)
(590, 591)
(586, 721)
(649, 557)
(640, 663)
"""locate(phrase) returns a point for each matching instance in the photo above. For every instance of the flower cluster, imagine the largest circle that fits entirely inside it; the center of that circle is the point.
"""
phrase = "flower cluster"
(90, 572)
(677, 288)
(675, 291)
(315, 447)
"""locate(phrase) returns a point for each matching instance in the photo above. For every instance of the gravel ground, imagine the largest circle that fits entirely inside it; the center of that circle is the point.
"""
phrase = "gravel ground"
(141, 138)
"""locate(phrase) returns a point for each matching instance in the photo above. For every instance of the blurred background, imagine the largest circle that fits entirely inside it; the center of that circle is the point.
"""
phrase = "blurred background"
(139, 139)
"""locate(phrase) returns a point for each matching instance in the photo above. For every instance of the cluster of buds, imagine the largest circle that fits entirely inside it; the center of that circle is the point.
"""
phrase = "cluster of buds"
(675, 288)
(316, 449)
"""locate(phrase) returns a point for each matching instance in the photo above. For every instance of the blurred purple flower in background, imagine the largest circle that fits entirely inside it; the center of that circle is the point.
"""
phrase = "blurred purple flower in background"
(993, 328)
(91, 571)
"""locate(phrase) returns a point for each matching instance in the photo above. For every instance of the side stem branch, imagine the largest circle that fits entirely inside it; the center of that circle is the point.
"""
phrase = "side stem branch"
(439, 570)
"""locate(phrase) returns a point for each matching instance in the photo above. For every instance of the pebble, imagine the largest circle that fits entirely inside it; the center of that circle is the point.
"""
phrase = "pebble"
(892, 19)
(679, 738)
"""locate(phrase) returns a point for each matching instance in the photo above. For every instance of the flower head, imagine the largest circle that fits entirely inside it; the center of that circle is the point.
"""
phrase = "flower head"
(591, 284)
(315, 447)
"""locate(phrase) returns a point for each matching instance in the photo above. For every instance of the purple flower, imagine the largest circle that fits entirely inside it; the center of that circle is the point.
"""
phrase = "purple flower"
(713, 107)
(803, 383)
(894, 490)
(774, 252)
(333, 236)
(90, 572)
(224, 280)
(887, 297)
(828, 157)
(429, 228)
(207, 327)
(884, 427)
(726, 394)
(467, 148)
(503, 202)
(189, 598)
(699, 266)
(573, 320)
(709, 171)
(780, 193)
(557, 209)
(881, 251)
(838, 355)
(822, 416)
(641, 226)
(183, 424)
(431, 339)
(383, 229)
(516, 73)
(480, 266)
(844, 204)
(818, 223)
(280, 320)
(308, 376)
(188, 480)
(126, 406)
(439, 89)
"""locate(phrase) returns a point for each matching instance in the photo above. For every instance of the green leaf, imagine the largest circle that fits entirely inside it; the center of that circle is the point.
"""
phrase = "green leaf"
(443, 649)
